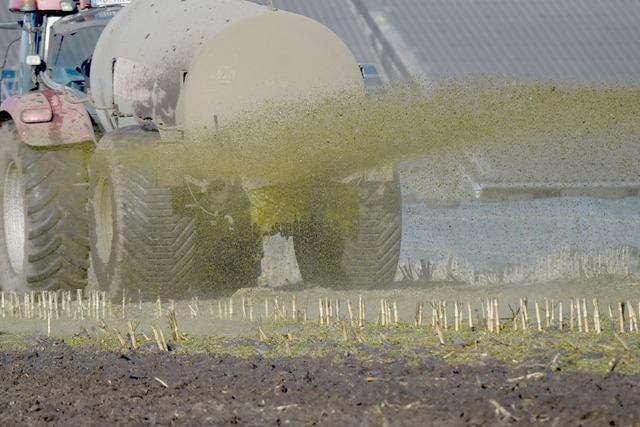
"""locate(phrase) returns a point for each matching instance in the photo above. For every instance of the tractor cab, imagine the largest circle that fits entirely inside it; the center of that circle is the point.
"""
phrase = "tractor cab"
(69, 44)
(57, 41)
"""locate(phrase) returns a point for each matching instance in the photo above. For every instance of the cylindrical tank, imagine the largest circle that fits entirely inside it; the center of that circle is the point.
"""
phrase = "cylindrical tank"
(142, 55)
(186, 65)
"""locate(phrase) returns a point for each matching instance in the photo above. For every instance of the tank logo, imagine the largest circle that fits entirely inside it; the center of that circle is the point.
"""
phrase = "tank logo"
(226, 74)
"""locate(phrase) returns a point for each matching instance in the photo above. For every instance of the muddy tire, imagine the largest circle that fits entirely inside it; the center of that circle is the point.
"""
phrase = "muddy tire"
(366, 260)
(43, 223)
(138, 242)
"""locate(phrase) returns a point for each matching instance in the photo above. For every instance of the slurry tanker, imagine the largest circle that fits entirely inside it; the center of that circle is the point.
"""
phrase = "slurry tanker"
(100, 78)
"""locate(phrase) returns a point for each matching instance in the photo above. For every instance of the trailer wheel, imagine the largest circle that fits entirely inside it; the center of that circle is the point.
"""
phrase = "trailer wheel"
(43, 222)
(369, 258)
(138, 242)
(229, 248)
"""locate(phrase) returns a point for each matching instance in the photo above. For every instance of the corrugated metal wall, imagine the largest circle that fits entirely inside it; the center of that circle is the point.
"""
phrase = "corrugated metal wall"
(590, 40)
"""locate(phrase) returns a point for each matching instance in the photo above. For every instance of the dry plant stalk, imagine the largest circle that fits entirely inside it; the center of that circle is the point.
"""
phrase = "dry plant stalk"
(132, 336)
(173, 326)
(620, 317)
(585, 313)
(343, 324)
(440, 336)
(162, 345)
(395, 312)
(122, 341)
(294, 310)
(547, 314)
(611, 321)
(261, 335)
(633, 322)
(350, 312)
(434, 315)
(102, 301)
(560, 315)
(523, 316)
(164, 342)
(32, 302)
(444, 315)
(470, 316)
(387, 312)
(596, 316)
(538, 322)
(579, 314)
(572, 322)
(456, 317)
(17, 304)
(124, 301)
(193, 311)
(54, 298)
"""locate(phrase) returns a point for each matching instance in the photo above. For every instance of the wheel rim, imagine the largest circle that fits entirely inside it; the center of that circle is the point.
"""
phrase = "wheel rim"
(13, 209)
(104, 218)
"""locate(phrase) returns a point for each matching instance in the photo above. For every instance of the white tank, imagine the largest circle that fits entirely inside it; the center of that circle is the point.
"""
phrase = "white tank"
(143, 53)
(194, 64)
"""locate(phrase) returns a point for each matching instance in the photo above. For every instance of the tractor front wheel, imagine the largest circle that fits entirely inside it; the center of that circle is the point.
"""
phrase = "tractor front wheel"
(43, 224)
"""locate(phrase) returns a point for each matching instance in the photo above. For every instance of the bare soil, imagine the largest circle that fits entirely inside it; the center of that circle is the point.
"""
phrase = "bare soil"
(52, 383)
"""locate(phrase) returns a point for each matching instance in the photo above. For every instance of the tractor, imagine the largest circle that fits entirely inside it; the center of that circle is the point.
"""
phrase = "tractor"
(100, 78)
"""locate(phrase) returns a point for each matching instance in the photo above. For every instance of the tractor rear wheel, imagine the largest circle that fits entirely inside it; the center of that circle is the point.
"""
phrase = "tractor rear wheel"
(43, 223)
(369, 258)
(138, 241)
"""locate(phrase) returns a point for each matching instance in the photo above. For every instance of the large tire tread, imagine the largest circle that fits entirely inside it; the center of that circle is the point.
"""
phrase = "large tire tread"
(367, 260)
(154, 248)
(56, 190)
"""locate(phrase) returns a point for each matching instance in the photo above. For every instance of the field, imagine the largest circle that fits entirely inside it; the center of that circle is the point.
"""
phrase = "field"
(314, 356)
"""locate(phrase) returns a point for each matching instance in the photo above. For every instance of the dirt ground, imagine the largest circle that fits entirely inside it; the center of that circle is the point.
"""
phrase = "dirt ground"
(52, 383)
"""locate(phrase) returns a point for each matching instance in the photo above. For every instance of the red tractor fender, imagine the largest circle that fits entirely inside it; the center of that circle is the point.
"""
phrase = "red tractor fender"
(45, 118)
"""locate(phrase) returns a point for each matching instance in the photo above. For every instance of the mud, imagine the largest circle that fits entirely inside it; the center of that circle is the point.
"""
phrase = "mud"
(54, 384)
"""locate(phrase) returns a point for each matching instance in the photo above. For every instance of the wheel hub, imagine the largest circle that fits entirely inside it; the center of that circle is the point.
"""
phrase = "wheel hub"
(104, 218)
(14, 221)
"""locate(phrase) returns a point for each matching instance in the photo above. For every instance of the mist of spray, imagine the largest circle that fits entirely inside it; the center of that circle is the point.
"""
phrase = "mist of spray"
(344, 134)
